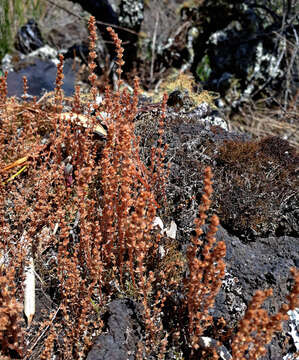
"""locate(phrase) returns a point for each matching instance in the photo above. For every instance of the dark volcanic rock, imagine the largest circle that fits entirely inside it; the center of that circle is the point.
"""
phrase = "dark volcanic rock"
(255, 182)
(130, 17)
(41, 75)
(123, 332)
(241, 47)
(262, 264)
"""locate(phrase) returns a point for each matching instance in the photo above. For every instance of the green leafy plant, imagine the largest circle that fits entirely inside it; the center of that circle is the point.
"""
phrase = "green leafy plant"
(203, 69)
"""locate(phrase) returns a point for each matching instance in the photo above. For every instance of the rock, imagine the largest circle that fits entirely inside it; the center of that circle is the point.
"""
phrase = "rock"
(242, 49)
(260, 255)
(29, 38)
(255, 182)
(41, 75)
(261, 264)
(130, 16)
(123, 328)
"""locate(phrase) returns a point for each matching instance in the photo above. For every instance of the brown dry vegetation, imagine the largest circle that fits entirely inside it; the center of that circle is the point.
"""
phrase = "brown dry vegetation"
(83, 208)
(260, 120)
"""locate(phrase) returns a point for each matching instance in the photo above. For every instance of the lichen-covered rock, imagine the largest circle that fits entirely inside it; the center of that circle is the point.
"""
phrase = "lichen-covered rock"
(255, 182)
(131, 14)
(255, 197)
(245, 49)
(29, 37)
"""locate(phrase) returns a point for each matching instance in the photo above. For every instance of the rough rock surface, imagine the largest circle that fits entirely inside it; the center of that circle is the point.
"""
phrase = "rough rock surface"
(255, 182)
(122, 333)
(261, 264)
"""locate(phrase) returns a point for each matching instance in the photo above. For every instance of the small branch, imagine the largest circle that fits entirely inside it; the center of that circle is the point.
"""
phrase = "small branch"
(154, 47)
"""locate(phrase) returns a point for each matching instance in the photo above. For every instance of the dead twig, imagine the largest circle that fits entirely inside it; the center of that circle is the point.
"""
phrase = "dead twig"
(154, 47)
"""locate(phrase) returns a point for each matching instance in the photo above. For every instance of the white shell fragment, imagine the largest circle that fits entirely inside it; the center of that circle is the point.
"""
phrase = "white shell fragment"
(158, 222)
(170, 231)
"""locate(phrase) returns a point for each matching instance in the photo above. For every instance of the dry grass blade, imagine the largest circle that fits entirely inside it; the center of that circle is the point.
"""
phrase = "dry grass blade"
(29, 293)
(85, 122)
(16, 163)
